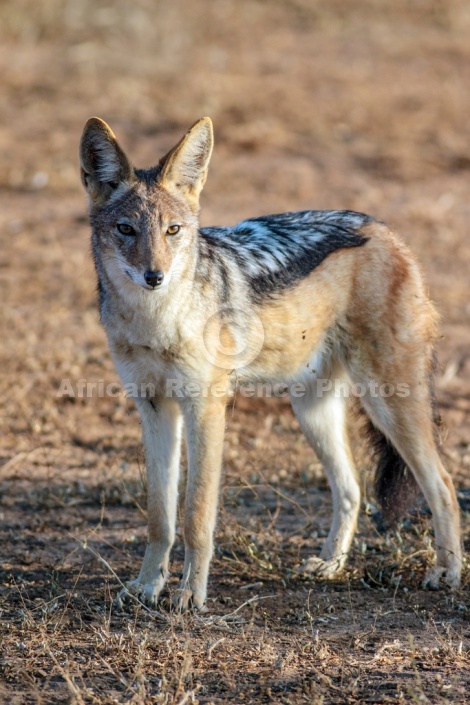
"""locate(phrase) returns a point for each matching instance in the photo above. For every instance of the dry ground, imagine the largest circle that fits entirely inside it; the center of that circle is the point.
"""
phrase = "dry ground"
(358, 104)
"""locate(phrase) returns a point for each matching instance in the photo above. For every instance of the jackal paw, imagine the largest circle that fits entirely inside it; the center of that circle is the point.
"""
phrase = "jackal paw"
(186, 598)
(148, 593)
(433, 577)
(326, 569)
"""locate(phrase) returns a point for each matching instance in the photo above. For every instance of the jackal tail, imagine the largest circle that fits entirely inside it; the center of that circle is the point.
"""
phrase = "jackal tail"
(394, 484)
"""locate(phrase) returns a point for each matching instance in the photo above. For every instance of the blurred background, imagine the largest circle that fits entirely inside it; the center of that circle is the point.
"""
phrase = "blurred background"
(315, 104)
(359, 104)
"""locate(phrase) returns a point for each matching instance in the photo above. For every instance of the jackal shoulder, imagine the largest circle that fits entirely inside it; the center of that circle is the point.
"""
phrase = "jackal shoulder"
(274, 252)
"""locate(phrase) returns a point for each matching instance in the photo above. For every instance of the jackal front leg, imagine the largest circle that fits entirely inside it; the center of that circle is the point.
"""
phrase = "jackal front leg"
(161, 435)
(205, 422)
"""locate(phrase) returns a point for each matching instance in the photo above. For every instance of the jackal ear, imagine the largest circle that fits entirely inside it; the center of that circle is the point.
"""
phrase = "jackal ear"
(184, 168)
(104, 166)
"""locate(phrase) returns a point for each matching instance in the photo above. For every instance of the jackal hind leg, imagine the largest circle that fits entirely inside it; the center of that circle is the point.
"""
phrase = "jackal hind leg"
(161, 435)
(407, 422)
(323, 421)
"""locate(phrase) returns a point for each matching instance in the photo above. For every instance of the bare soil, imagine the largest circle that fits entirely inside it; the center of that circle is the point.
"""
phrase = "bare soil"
(359, 105)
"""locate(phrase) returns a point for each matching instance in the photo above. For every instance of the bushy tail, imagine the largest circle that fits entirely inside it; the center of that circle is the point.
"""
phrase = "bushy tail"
(395, 485)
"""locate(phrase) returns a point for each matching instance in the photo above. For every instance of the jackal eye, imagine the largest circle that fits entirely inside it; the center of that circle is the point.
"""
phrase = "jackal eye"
(125, 229)
(173, 229)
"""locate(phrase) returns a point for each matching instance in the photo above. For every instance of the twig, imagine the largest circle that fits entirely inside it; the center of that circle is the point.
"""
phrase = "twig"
(216, 643)
(189, 694)
(214, 619)
(155, 614)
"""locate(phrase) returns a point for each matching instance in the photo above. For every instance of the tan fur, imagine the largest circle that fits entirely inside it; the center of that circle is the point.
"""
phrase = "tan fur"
(362, 315)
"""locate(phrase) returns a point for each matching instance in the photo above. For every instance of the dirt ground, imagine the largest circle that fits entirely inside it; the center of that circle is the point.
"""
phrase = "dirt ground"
(360, 105)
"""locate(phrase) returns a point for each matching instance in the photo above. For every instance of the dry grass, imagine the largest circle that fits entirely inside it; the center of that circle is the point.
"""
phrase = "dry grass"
(358, 105)
(269, 635)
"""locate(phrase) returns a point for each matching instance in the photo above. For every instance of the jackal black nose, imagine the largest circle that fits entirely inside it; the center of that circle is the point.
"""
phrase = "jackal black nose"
(153, 279)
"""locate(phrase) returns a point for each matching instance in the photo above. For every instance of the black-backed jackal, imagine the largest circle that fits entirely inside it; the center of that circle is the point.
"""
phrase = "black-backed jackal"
(304, 299)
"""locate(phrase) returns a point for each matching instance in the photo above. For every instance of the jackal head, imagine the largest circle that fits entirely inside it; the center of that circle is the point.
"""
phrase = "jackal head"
(144, 221)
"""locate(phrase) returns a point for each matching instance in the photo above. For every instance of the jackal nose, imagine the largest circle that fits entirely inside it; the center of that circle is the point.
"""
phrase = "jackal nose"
(153, 279)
